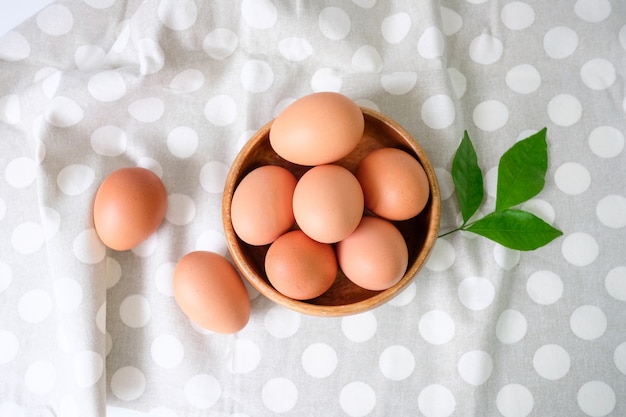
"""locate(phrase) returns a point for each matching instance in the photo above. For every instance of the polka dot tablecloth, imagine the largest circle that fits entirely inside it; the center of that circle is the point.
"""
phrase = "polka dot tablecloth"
(178, 86)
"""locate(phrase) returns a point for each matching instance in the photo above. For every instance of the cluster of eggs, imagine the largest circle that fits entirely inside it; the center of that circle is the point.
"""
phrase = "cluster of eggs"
(326, 215)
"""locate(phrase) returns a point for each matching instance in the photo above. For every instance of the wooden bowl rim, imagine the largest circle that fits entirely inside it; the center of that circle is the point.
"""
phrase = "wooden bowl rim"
(377, 299)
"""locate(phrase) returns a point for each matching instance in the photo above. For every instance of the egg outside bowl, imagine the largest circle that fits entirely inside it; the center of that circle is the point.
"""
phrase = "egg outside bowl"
(344, 297)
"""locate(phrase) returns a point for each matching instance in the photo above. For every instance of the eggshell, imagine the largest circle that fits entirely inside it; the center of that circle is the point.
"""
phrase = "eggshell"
(261, 208)
(300, 267)
(210, 292)
(129, 206)
(394, 183)
(328, 203)
(375, 256)
(316, 129)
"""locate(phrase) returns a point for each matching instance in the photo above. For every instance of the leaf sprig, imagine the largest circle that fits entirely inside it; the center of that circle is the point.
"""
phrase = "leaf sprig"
(521, 176)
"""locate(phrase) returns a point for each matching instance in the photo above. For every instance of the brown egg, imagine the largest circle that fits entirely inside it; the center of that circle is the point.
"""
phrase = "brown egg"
(129, 206)
(300, 267)
(210, 292)
(328, 203)
(261, 208)
(317, 129)
(375, 256)
(394, 183)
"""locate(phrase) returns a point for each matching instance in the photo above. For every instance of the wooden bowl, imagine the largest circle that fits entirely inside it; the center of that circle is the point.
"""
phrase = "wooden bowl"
(344, 297)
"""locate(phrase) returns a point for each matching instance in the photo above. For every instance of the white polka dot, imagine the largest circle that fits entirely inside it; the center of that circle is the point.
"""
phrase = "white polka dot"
(611, 211)
(357, 399)
(436, 401)
(598, 74)
(146, 110)
(187, 81)
(446, 184)
(441, 257)
(147, 247)
(544, 287)
(367, 59)
(279, 395)
(63, 112)
(100, 4)
(334, 23)
(458, 81)
(151, 57)
(511, 326)
(55, 20)
(21, 172)
(212, 241)
(163, 278)
(89, 57)
(281, 322)
(109, 141)
(437, 327)
(588, 322)
(256, 76)
(431, 43)
(541, 209)
(485, 49)
(221, 110)
(319, 360)
(398, 83)
(394, 28)
(181, 209)
(88, 248)
(405, 297)
(177, 14)
(113, 272)
(593, 11)
(10, 111)
(551, 362)
(451, 21)
(167, 351)
(75, 179)
(220, 43)
(68, 294)
(135, 311)
(564, 110)
(88, 368)
(606, 141)
(14, 47)
(295, 49)
(359, 327)
(396, 363)
(151, 164)
(490, 115)
(506, 258)
(560, 42)
(572, 178)
(476, 293)
(615, 283)
(515, 400)
(12, 409)
(213, 176)
(259, 14)
(68, 407)
(596, 398)
(326, 79)
(475, 367)
(580, 249)
(28, 238)
(244, 357)
(128, 383)
(40, 377)
(438, 111)
(101, 318)
(9, 347)
(6, 276)
(366, 4)
(619, 357)
(107, 86)
(523, 79)
(517, 15)
(49, 78)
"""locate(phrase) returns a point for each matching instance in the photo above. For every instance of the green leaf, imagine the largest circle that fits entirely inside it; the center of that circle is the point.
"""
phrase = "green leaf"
(515, 229)
(468, 178)
(522, 170)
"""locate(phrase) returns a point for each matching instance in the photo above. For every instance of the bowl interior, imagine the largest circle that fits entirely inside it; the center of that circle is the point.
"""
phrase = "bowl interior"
(344, 297)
